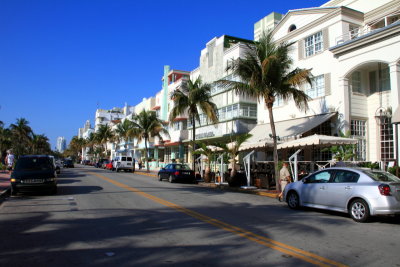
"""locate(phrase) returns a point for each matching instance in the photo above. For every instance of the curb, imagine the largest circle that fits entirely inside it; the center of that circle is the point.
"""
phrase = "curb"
(222, 187)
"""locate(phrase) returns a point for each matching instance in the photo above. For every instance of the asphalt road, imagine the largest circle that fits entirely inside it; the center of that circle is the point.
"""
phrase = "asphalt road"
(100, 218)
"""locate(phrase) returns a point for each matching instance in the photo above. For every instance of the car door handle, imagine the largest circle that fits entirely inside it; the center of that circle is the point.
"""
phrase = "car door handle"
(322, 188)
(348, 187)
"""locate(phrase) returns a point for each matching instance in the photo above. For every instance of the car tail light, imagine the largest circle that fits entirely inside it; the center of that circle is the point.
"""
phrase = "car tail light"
(176, 173)
(384, 189)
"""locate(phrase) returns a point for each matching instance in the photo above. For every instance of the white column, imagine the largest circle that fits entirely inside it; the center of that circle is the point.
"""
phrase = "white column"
(394, 69)
(344, 101)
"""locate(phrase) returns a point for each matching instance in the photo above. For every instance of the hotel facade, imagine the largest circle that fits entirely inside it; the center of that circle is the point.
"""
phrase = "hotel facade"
(352, 47)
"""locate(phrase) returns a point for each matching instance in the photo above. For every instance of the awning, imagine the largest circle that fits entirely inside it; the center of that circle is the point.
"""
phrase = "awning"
(396, 116)
(284, 129)
(318, 140)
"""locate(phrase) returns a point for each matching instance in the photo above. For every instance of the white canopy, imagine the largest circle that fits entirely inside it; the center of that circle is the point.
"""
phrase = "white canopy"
(318, 140)
(284, 129)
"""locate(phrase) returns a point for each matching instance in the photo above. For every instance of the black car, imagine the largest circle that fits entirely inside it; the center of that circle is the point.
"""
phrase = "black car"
(177, 172)
(68, 163)
(34, 173)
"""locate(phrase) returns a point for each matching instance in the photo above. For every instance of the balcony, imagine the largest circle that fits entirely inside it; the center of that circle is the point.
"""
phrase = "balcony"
(357, 32)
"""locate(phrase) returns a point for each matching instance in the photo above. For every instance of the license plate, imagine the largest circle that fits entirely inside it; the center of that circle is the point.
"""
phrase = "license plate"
(33, 181)
(128, 164)
(186, 173)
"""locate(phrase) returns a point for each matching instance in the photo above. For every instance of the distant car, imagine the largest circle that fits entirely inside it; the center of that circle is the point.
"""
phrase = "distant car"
(68, 163)
(109, 166)
(360, 192)
(104, 163)
(124, 163)
(34, 173)
(177, 172)
(99, 163)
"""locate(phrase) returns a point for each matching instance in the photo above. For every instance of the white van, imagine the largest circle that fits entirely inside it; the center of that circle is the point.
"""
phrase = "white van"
(124, 163)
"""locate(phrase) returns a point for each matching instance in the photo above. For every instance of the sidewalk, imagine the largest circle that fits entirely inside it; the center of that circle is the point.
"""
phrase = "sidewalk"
(257, 191)
(4, 182)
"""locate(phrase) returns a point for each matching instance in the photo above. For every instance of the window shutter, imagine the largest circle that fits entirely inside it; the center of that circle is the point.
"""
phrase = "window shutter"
(301, 49)
(325, 36)
(327, 77)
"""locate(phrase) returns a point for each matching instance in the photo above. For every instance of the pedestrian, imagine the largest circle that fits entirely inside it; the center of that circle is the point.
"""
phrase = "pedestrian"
(284, 179)
(340, 163)
(140, 163)
(10, 160)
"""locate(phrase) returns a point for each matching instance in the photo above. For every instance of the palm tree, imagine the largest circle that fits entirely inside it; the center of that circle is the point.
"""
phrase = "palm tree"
(103, 135)
(232, 149)
(126, 131)
(21, 136)
(193, 97)
(75, 146)
(40, 144)
(148, 125)
(5, 139)
(266, 72)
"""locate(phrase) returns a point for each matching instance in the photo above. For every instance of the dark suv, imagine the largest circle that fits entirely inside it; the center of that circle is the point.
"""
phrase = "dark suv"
(34, 173)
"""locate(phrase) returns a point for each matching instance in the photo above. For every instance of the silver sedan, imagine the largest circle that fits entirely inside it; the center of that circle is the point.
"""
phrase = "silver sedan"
(360, 192)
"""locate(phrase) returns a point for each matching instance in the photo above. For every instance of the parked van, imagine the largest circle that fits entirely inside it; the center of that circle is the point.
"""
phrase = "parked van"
(124, 163)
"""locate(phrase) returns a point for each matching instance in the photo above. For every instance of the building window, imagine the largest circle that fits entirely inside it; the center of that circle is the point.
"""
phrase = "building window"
(278, 101)
(359, 131)
(386, 131)
(292, 28)
(384, 79)
(317, 88)
(356, 82)
(314, 44)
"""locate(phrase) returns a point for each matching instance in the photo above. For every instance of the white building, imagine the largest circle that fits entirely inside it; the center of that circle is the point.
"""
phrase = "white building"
(61, 144)
(352, 47)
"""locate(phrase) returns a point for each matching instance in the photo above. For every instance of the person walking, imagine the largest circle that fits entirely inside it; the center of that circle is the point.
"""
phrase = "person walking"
(284, 179)
(140, 163)
(10, 160)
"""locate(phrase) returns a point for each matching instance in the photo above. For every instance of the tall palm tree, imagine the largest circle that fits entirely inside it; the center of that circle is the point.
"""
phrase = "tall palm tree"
(40, 144)
(148, 125)
(104, 134)
(5, 139)
(266, 72)
(75, 146)
(125, 131)
(21, 136)
(232, 149)
(194, 97)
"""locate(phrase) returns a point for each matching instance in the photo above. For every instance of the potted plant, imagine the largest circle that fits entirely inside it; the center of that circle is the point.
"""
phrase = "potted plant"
(208, 152)
(232, 149)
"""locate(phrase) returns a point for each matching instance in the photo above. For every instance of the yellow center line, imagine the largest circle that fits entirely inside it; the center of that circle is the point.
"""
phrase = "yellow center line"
(262, 240)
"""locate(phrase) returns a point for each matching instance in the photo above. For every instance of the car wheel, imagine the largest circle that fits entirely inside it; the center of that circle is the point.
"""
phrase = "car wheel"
(117, 169)
(171, 179)
(159, 177)
(293, 200)
(359, 210)
(54, 191)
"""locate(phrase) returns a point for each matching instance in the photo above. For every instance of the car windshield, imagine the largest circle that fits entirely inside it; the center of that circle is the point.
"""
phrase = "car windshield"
(380, 176)
(33, 164)
(182, 167)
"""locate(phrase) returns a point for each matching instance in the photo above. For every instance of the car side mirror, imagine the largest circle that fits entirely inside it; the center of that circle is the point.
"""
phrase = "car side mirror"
(163, 169)
(305, 180)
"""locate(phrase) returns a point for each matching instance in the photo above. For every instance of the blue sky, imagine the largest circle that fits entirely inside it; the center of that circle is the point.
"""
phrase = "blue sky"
(61, 59)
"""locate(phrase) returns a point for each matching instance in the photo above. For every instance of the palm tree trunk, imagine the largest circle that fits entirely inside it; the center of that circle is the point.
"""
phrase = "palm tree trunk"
(274, 138)
(146, 155)
(193, 143)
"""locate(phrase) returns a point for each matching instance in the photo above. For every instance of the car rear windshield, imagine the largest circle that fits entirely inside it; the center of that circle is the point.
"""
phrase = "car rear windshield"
(182, 167)
(129, 159)
(38, 163)
(380, 176)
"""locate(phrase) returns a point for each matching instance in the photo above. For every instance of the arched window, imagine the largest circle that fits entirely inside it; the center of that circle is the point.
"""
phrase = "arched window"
(292, 28)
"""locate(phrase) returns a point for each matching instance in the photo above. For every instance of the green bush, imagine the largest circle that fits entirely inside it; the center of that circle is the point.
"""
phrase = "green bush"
(369, 165)
(393, 169)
